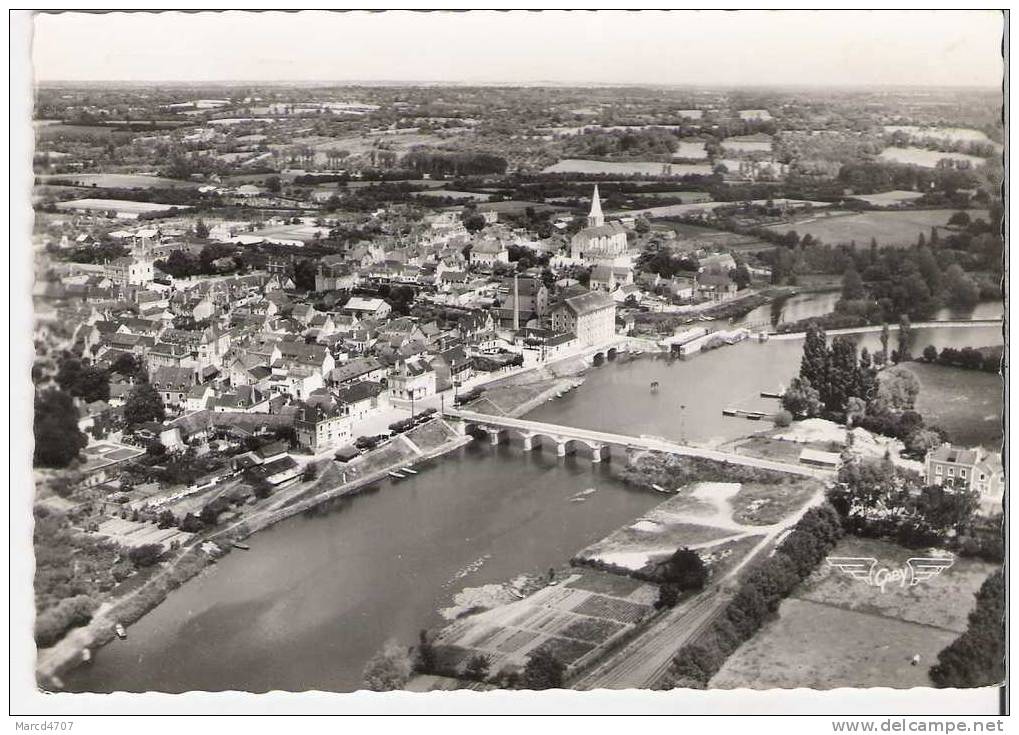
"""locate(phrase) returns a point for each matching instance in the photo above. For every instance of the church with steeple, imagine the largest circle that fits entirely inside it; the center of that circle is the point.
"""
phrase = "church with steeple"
(598, 242)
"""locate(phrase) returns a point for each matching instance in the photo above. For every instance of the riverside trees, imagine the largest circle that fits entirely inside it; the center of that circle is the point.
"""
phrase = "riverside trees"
(830, 376)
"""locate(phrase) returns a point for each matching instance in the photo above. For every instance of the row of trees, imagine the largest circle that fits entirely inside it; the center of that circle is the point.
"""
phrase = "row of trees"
(453, 163)
(976, 658)
(968, 358)
(758, 597)
(392, 667)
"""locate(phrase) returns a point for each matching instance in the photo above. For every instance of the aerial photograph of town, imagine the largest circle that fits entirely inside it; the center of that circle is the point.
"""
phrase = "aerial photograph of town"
(538, 384)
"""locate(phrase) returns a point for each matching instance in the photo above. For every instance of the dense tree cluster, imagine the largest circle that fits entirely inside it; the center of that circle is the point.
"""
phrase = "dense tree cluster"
(213, 259)
(685, 569)
(835, 373)
(57, 437)
(878, 500)
(665, 264)
(621, 144)
(453, 163)
(758, 597)
(72, 569)
(88, 382)
(977, 657)
(543, 671)
(143, 404)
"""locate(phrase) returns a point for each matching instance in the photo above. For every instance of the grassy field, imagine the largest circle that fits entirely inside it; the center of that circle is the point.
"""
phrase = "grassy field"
(889, 228)
(762, 505)
(879, 632)
(966, 403)
(120, 181)
(626, 168)
(688, 235)
(799, 650)
(924, 157)
(943, 601)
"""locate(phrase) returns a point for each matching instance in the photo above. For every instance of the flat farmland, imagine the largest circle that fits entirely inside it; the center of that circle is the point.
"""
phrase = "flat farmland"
(799, 650)
(879, 631)
(966, 403)
(119, 181)
(685, 233)
(888, 228)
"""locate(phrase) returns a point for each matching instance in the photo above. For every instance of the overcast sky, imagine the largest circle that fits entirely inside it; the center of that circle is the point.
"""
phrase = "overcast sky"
(859, 48)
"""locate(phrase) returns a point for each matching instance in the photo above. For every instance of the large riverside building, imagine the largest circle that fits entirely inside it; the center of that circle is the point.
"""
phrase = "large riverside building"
(590, 315)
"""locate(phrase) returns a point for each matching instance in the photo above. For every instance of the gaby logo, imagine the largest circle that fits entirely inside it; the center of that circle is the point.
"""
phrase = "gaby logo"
(917, 569)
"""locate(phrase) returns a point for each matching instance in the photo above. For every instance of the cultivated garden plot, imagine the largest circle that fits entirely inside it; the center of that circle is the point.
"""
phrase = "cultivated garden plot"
(587, 611)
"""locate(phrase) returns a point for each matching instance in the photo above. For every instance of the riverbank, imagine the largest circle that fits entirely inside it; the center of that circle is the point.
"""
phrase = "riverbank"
(606, 599)
(426, 442)
(873, 328)
(514, 395)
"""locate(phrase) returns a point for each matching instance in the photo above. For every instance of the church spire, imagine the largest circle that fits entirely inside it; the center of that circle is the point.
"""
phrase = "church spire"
(595, 218)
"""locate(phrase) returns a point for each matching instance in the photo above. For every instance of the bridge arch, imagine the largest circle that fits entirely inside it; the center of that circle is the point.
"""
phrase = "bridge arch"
(598, 358)
(612, 352)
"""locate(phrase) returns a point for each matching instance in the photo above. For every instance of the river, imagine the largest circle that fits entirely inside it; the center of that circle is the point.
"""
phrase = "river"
(318, 594)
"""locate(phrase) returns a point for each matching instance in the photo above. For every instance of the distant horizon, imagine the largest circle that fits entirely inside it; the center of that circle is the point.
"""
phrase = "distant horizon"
(507, 84)
(680, 48)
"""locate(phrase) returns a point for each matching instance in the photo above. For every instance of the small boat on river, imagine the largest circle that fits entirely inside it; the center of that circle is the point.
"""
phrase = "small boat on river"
(409, 471)
(396, 475)
(242, 547)
(86, 656)
(120, 631)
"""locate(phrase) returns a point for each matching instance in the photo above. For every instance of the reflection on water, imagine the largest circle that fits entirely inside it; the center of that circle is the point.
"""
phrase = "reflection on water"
(318, 594)
(692, 392)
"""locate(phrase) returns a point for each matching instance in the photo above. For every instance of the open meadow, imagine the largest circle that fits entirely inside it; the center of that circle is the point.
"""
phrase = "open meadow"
(119, 181)
(879, 631)
(901, 228)
(966, 403)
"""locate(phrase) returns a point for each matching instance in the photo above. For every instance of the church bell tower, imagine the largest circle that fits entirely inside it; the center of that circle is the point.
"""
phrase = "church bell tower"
(595, 218)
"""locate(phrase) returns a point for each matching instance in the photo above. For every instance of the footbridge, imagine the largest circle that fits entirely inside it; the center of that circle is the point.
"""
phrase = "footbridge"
(566, 440)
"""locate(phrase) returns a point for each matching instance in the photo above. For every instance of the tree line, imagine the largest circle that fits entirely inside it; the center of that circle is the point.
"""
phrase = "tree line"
(757, 598)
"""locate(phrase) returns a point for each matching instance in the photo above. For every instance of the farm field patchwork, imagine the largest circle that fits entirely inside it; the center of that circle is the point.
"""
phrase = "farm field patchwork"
(626, 168)
(924, 157)
(119, 181)
(588, 610)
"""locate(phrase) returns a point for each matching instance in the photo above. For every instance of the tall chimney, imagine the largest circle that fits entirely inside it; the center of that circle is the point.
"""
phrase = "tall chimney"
(516, 303)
